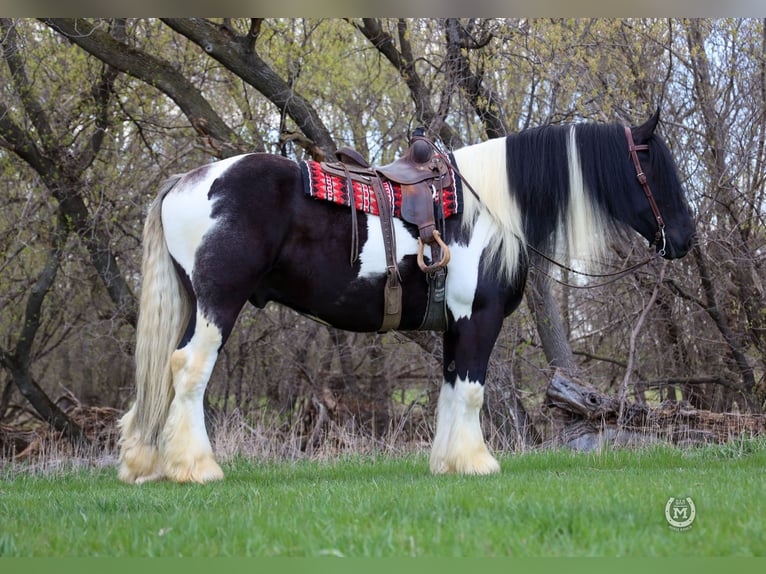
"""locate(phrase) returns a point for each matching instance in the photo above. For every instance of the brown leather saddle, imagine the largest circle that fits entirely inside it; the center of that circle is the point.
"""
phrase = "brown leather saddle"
(422, 174)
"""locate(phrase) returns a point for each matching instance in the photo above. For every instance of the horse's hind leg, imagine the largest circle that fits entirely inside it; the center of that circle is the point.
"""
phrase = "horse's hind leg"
(185, 451)
(139, 459)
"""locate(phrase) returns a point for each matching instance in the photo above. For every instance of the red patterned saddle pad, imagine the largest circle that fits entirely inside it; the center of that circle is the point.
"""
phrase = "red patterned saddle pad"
(320, 184)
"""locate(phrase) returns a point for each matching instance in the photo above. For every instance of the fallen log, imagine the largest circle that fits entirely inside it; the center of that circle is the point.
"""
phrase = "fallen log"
(584, 418)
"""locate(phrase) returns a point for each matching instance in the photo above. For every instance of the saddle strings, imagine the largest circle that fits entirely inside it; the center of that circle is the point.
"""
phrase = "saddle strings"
(354, 226)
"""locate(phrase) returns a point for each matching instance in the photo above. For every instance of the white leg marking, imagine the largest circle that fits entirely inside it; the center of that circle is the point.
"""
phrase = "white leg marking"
(185, 449)
(459, 444)
(139, 461)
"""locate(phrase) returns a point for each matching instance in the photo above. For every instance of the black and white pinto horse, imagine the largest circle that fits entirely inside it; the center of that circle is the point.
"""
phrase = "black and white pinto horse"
(242, 229)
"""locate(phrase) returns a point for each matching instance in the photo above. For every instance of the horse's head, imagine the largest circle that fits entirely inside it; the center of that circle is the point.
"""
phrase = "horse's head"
(662, 215)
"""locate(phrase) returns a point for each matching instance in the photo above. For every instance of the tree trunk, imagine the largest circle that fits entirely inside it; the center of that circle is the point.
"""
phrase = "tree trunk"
(19, 362)
(550, 323)
(61, 169)
(714, 106)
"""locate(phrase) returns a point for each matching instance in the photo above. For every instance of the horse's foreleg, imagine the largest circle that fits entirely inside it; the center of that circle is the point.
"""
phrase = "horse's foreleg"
(459, 443)
(185, 451)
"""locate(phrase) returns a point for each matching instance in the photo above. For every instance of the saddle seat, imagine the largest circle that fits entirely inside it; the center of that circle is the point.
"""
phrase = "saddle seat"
(420, 173)
(417, 165)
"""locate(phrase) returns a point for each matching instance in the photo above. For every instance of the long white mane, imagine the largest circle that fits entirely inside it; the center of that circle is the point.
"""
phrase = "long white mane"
(483, 167)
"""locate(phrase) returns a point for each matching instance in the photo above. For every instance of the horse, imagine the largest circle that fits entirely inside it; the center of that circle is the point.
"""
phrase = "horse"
(242, 230)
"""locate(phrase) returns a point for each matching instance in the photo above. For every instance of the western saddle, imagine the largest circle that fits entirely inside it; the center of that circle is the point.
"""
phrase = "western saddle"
(422, 174)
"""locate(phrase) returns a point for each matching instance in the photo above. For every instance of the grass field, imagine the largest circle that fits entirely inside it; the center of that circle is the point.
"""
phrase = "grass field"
(549, 503)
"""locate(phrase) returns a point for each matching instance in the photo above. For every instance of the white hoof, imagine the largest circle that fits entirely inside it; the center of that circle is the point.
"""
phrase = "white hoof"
(474, 463)
(199, 469)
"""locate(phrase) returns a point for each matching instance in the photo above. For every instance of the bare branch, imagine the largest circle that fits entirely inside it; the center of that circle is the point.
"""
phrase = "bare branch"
(12, 56)
(372, 29)
(155, 72)
(236, 55)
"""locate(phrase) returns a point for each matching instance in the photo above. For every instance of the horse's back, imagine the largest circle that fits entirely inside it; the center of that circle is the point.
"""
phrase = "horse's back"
(235, 188)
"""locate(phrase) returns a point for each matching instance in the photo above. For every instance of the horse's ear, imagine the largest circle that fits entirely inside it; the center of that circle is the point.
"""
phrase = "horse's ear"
(644, 131)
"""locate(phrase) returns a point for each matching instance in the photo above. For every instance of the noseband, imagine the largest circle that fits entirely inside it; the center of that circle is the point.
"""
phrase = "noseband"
(632, 149)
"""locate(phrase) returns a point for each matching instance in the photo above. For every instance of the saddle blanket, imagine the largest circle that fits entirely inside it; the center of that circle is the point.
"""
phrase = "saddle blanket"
(319, 184)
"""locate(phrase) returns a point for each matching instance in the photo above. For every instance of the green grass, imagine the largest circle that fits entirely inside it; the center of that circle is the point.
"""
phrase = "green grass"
(550, 503)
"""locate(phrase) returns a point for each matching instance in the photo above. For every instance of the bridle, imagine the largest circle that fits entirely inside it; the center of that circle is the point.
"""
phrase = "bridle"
(632, 149)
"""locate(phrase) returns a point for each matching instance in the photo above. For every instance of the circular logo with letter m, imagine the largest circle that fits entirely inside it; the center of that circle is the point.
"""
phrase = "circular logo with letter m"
(680, 513)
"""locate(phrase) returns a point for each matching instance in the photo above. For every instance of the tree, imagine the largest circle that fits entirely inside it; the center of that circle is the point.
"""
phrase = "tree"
(94, 113)
(61, 171)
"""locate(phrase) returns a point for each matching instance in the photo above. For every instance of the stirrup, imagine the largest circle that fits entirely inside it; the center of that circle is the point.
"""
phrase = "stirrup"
(436, 266)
